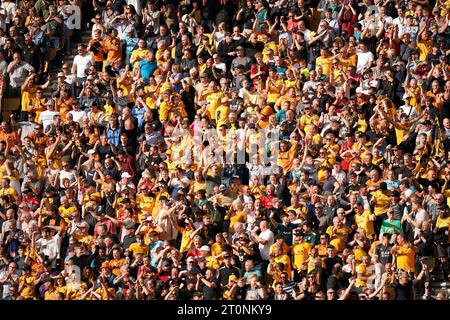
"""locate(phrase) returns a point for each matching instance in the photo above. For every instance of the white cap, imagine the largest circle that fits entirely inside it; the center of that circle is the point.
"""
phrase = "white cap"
(205, 248)
(185, 180)
(373, 83)
(406, 96)
(91, 151)
(125, 175)
(359, 90)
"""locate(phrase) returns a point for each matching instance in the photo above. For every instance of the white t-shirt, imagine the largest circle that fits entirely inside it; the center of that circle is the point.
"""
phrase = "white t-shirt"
(264, 249)
(27, 127)
(10, 8)
(364, 59)
(50, 247)
(77, 115)
(83, 63)
(46, 117)
(410, 111)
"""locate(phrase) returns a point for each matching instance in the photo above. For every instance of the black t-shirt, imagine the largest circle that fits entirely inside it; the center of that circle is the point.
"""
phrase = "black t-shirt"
(225, 272)
(104, 150)
(330, 262)
(404, 292)
(128, 240)
(211, 293)
(384, 253)
(113, 172)
(426, 248)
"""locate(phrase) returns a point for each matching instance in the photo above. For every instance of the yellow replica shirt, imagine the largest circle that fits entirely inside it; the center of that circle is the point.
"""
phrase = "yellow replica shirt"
(105, 295)
(11, 192)
(325, 63)
(222, 113)
(65, 213)
(300, 253)
(405, 259)
(52, 295)
(274, 89)
(135, 249)
(238, 217)
(346, 62)
(211, 262)
(361, 270)
(338, 240)
(145, 203)
(306, 120)
(87, 239)
(284, 259)
(424, 48)
(28, 291)
(213, 99)
(186, 241)
(382, 202)
(138, 54)
(363, 221)
(284, 248)
(216, 250)
(286, 158)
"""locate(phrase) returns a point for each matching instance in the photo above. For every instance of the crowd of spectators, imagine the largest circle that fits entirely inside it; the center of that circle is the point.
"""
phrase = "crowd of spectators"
(229, 149)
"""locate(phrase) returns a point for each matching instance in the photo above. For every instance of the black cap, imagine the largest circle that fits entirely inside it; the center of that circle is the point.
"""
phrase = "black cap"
(26, 267)
(395, 193)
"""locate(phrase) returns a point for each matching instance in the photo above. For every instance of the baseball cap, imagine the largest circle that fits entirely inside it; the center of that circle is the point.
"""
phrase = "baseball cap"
(205, 248)
(26, 267)
(130, 225)
(50, 102)
(105, 265)
(125, 175)
(190, 259)
(61, 74)
(222, 187)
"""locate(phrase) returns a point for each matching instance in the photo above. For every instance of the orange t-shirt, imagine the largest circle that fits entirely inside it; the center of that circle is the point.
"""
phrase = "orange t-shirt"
(114, 52)
(100, 55)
